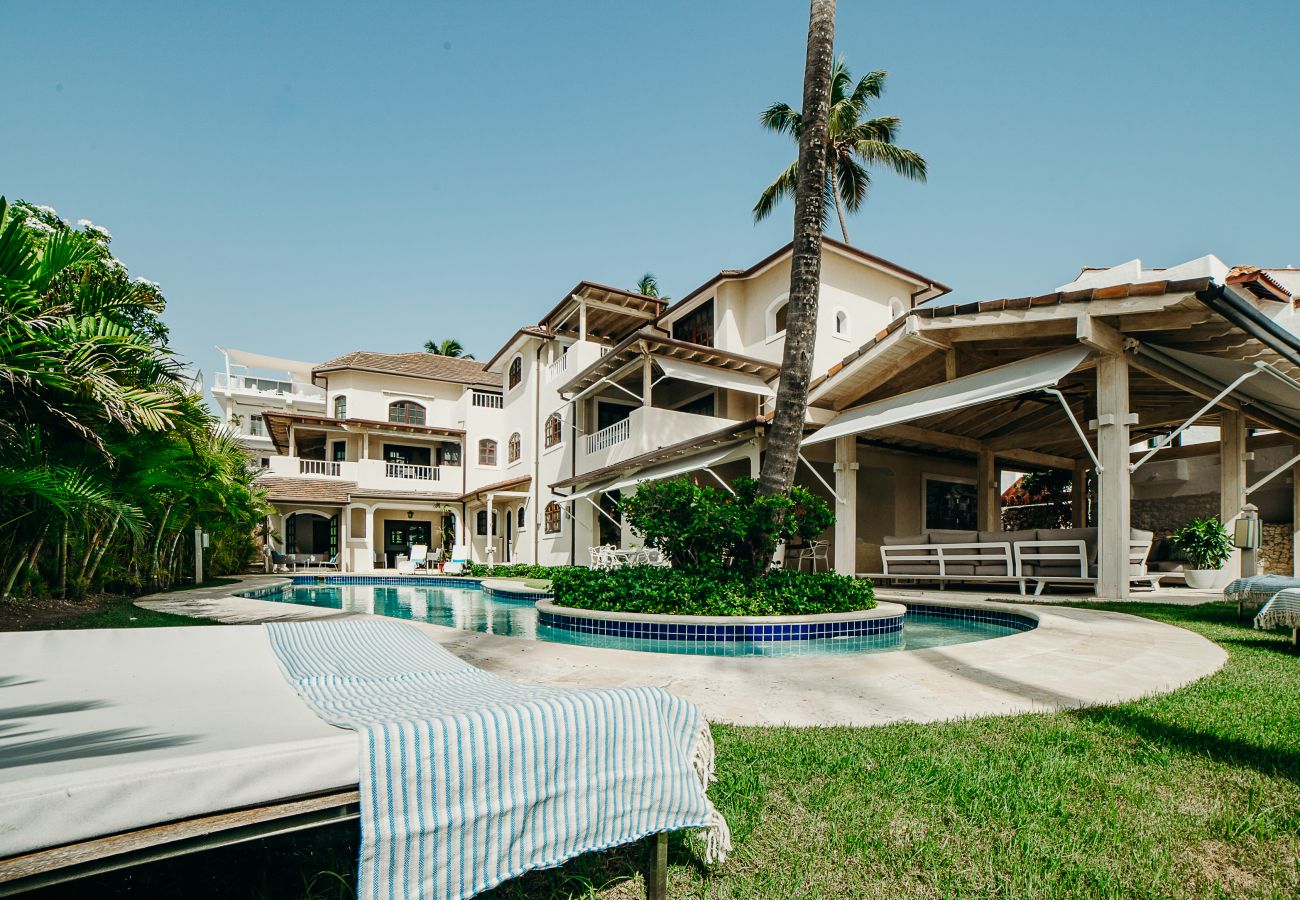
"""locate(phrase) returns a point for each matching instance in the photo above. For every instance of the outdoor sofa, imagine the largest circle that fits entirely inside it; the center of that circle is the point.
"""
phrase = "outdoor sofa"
(1043, 556)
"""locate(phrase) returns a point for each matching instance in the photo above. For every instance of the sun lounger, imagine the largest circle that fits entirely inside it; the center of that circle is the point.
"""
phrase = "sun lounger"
(130, 745)
(459, 563)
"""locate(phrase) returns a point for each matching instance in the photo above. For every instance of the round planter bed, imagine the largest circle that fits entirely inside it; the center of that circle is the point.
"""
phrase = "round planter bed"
(884, 618)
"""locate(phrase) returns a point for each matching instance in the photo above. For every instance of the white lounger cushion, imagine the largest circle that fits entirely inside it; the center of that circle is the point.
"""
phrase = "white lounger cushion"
(109, 730)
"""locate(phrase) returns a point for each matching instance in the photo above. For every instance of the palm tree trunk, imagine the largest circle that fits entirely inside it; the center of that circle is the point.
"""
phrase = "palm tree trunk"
(839, 211)
(99, 553)
(791, 406)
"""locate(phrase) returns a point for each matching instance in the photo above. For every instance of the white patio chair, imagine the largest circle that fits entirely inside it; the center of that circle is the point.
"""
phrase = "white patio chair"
(419, 556)
(815, 552)
(459, 561)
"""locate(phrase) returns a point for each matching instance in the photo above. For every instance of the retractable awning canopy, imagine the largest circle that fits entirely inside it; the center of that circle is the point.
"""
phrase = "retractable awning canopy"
(723, 378)
(1021, 377)
(268, 363)
(670, 469)
(1267, 385)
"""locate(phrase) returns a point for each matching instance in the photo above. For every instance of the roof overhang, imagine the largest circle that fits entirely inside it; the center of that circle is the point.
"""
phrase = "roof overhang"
(610, 312)
(297, 368)
(279, 423)
(671, 469)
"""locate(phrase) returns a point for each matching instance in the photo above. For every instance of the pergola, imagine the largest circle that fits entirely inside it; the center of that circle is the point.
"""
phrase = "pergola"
(1071, 381)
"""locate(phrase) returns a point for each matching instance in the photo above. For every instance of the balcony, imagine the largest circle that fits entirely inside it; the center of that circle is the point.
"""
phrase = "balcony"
(486, 400)
(646, 429)
(289, 391)
(367, 474)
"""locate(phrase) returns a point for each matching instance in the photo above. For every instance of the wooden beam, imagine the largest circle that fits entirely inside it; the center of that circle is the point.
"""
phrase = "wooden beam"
(1209, 448)
(1232, 477)
(1079, 495)
(1097, 334)
(1036, 459)
(1208, 392)
(988, 507)
(929, 436)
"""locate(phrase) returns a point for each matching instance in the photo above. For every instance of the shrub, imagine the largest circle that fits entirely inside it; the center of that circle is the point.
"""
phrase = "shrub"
(513, 570)
(701, 528)
(651, 589)
(1204, 542)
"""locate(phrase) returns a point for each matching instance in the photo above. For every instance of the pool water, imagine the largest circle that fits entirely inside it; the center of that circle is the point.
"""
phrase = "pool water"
(470, 609)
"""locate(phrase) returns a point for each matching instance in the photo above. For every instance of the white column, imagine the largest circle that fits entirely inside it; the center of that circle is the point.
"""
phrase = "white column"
(1232, 477)
(647, 377)
(370, 536)
(491, 538)
(582, 320)
(846, 513)
(1113, 484)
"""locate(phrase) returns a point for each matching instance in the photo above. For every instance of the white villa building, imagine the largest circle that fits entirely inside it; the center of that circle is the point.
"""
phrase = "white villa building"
(523, 458)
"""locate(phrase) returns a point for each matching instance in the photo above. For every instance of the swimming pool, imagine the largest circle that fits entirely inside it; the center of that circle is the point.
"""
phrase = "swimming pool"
(469, 608)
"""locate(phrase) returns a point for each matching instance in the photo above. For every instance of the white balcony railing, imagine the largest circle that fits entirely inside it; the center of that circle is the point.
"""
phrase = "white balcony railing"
(609, 436)
(558, 368)
(486, 400)
(320, 467)
(292, 390)
(405, 470)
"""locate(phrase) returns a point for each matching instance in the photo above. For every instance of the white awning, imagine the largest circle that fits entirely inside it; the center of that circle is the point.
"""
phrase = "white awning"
(1278, 391)
(268, 363)
(669, 469)
(1013, 379)
(723, 378)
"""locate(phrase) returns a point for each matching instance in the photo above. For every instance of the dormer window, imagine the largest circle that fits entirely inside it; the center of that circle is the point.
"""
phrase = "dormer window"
(516, 372)
(341, 407)
(406, 412)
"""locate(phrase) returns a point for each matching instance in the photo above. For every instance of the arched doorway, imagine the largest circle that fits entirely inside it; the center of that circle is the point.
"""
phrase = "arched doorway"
(510, 536)
(312, 533)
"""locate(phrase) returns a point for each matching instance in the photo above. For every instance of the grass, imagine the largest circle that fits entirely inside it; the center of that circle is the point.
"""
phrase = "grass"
(1193, 794)
(104, 611)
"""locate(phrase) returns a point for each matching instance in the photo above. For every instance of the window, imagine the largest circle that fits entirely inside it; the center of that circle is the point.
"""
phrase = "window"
(340, 407)
(516, 371)
(449, 455)
(406, 412)
(481, 523)
(266, 462)
(841, 323)
(339, 451)
(776, 317)
(896, 308)
(552, 518)
(696, 327)
(513, 447)
(700, 406)
(554, 430)
(521, 517)
(487, 452)
(255, 425)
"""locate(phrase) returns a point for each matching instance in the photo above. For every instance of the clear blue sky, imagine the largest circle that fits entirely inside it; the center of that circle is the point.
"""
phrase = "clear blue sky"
(306, 179)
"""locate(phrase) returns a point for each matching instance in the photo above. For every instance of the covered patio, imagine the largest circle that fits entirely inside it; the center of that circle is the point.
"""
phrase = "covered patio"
(1095, 383)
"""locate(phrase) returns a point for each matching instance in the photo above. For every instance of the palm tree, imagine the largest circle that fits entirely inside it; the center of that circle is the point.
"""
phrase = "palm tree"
(648, 286)
(854, 146)
(777, 473)
(449, 347)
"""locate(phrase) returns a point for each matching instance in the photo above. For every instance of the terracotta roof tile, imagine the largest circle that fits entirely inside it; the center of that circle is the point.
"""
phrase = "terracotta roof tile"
(317, 490)
(418, 365)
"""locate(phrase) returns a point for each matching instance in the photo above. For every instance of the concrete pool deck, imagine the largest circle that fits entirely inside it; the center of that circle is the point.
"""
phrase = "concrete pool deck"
(1074, 658)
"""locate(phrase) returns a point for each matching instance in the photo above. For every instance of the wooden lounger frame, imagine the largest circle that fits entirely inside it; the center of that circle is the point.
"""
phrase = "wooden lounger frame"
(69, 862)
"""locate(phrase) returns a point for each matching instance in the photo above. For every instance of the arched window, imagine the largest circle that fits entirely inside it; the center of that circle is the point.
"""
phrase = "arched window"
(487, 452)
(481, 522)
(521, 517)
(513, 447)
(406, 412)
(516, 371)
(776, 314)
(341, 407)
(554, 429)
(841, 323)
(896, 308)
(551, 520)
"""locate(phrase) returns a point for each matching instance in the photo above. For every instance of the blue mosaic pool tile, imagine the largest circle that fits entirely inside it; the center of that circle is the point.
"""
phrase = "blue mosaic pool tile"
(700, 633)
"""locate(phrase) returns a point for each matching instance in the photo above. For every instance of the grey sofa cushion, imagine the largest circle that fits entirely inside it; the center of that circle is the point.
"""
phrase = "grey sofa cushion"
(997, 568)
(1087, 535)
(954, 537)
(914, 568)
(895, 540)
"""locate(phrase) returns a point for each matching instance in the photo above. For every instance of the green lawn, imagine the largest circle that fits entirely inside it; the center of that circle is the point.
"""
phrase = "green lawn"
(1195, 794)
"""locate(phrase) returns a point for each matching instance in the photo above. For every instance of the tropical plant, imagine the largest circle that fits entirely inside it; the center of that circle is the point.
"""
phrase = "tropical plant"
(447, 347)
(108, 459)
(648, 286)
(702, 528)
(1204, 542)
(791, 404)
(855, 144)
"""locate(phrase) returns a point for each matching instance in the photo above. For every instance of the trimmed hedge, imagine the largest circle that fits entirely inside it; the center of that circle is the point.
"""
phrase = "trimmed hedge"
(514, 570)
(651, 589)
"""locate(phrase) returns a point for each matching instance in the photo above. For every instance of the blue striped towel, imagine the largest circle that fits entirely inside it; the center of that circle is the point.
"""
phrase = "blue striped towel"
(468, 779)
(1282, 611)
(1256, 590)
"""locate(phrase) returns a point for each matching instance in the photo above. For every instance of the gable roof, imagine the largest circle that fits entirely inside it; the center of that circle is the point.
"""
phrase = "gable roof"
(415, 365)
(843, 249)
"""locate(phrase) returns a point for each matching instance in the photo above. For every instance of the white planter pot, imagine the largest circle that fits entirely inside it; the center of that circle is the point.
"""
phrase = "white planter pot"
(1203, 579)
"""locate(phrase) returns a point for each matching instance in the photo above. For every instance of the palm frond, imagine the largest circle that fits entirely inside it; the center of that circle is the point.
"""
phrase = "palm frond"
(853, 181)
(779, 117)
(779, 189)
(907, 163)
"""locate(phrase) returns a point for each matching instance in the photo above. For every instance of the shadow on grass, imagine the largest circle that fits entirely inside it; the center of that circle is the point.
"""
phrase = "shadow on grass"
(1268, 643)
(1270, 761)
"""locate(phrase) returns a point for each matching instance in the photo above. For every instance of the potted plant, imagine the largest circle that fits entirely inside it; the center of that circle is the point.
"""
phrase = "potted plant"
(1206, 545)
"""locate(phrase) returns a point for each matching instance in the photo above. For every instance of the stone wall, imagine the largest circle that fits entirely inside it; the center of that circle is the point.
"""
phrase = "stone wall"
(1276, 556)
(1035, 515)
(1165, 514)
